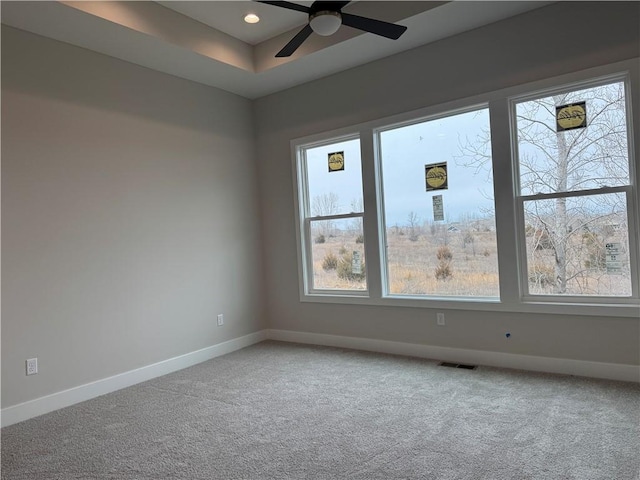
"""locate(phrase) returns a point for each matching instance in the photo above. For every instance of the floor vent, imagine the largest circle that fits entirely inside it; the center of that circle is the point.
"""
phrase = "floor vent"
(457, 365)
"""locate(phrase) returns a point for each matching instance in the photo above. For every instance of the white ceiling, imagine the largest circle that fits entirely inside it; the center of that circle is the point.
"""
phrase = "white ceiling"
(208, 41)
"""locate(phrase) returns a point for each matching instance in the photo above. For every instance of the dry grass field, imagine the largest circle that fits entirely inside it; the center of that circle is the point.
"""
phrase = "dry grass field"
(471, 270)
(467, 267)
(413, 261)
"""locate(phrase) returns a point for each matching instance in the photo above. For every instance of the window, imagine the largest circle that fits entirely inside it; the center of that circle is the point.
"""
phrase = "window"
(574, 188)
(522, 200)
(439, 216)
(330, 177)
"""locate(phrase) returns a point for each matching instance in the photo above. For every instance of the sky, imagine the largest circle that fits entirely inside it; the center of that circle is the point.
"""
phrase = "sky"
(404, 153)
(405, 150)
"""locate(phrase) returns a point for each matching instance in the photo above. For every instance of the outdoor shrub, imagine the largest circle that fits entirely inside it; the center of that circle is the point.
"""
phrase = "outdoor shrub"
(345, 269)
(444, 254)
(468, 239)
(486, 252)
(360, 239)
(320, 239)
(330, 262)
(443, 271)
(342, 250)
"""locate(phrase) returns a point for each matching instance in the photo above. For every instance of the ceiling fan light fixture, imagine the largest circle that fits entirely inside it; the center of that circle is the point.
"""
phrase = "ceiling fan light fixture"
(326, 22)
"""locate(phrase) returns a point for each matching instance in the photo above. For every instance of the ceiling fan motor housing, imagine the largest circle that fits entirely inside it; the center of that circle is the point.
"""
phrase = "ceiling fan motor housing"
(325, 22)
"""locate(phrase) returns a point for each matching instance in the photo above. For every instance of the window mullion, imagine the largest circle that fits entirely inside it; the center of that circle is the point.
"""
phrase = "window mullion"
(506, 214)
(370, 223)
(633, 197)
(308, 257)
(634, 248)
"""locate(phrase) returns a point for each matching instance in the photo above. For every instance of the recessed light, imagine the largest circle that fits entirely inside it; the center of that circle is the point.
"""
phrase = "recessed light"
(251, 18)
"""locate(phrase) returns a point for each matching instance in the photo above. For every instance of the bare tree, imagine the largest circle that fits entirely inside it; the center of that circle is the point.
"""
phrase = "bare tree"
(413, 223)
(325, 205)
(552, 162)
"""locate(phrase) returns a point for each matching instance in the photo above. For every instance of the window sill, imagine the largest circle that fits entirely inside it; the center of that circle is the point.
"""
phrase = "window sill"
(626, 310)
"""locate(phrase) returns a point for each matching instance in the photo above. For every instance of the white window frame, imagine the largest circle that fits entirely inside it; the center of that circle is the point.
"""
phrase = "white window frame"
(510, 261)
(628, 190)
(382, 220)
(305, 218)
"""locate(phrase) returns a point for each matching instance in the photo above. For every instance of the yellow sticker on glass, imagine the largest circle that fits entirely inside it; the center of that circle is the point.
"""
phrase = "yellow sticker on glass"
(336, 161)
(570, 116)
(436, 176)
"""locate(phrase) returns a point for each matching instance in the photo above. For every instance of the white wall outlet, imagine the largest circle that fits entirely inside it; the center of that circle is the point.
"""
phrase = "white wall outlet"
(440, 318)
(32, 366)
(220, 320)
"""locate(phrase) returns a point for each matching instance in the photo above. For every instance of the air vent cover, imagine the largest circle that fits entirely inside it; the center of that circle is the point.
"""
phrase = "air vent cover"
(457, 365)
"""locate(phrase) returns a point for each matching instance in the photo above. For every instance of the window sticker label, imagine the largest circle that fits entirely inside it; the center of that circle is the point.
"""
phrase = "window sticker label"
(614, 257)
(571, 116)
(438, 209)
(356, 264)
(336, 161)
(436, 176)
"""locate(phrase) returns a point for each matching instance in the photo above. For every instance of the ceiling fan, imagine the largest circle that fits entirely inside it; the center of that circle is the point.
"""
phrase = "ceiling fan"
(326, 17)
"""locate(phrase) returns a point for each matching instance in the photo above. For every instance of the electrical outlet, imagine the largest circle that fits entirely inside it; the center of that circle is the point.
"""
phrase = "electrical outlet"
(440, 318)
(220, 320)
(32, 366)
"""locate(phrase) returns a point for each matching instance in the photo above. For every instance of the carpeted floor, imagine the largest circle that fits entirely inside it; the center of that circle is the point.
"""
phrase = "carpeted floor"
(287, 411)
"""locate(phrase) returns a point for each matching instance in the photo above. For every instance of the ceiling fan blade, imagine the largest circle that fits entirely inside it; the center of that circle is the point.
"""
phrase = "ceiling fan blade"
(289, 5)
(371, 25)
(295, 42)
(332, 6)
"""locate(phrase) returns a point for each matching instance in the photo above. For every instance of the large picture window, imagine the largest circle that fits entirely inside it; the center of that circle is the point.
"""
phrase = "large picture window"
(572, 159)
(439, 216)
(523, 199)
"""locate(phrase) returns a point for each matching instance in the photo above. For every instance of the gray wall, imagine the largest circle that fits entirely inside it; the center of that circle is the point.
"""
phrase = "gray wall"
(550, 41)
(129, 216)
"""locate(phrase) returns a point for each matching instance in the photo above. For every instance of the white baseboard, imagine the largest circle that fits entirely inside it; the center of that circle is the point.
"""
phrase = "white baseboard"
(65, 398)
(55, 401)
(611, 371)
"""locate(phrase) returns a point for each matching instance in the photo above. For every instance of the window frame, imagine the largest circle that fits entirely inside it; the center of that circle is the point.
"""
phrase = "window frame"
(385, 277)
(305, 218)
(627, 190)
(509, 247)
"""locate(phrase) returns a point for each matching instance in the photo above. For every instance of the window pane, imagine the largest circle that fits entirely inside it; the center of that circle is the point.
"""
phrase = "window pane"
(454, 254)
(337, 252)
(578, 245)
(555, 160)
(340, 190)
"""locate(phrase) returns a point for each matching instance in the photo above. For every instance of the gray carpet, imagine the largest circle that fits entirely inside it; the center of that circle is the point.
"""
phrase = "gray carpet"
(287, 411)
